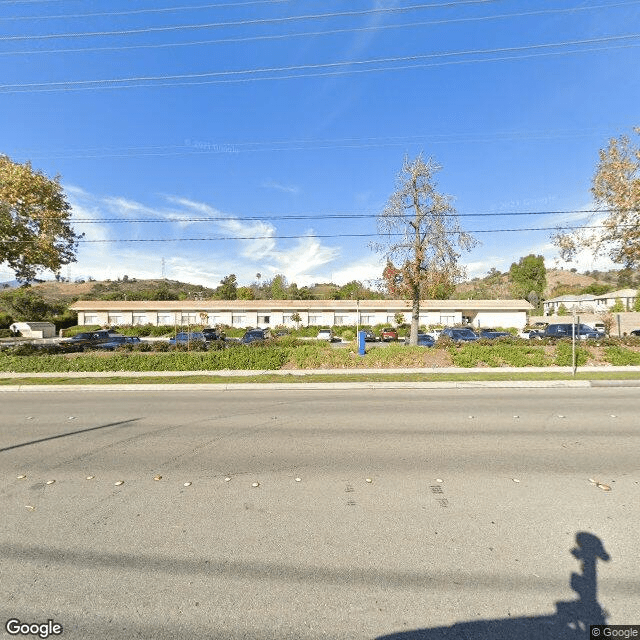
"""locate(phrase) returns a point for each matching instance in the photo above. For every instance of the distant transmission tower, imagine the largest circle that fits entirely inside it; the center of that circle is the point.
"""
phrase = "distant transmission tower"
(164, 273)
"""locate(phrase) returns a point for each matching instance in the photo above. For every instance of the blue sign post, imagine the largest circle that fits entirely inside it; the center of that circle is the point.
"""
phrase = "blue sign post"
(361, 335)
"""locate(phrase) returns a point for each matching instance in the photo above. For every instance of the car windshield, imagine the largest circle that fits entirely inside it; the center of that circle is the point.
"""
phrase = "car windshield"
(463, 333)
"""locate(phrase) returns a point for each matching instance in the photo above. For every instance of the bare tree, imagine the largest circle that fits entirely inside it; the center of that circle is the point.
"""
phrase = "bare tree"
(616, 190)
(423, 237)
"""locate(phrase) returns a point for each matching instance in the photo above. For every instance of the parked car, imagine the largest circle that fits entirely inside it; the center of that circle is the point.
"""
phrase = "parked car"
(253, 335)
(92, 338)
(388, 334)
(424, 340)
(492, 334)
(325, 334)
(459, 334)
(184, 337)
(635, 332)
(566, 330)
(117, 341)
(211, 334)
(370, 336)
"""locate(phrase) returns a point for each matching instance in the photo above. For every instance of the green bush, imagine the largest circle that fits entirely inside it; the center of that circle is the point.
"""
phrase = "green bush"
(620, 357)
(74, 331)
(495, 354)
(5, 333)
(241, 358)
(5, 321)
(564, 354)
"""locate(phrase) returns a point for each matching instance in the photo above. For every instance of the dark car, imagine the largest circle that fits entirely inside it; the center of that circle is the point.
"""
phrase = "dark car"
(492, 334)
(92, 338)
(370, 336)
(424, 340)
(388, 334)
(117, 341)
(253, 335)
(635, 332)
(459, 334)
(185, 337)
(210, 334)
(566, 330)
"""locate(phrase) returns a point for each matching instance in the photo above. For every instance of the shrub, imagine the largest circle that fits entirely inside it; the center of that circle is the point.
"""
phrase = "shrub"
(495, 354)
(620, 357)
(564, 354)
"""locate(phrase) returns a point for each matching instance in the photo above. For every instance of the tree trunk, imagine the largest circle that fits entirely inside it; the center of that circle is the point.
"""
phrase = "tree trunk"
(415, 316)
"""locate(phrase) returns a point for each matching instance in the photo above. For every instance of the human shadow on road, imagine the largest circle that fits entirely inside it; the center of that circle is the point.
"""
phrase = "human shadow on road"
(69, 433)
(570, 622)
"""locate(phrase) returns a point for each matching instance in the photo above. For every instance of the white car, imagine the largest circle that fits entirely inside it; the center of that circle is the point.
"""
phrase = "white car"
(325, 334)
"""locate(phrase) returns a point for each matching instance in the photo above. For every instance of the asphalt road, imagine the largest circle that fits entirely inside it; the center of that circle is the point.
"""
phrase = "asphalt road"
(441, 513)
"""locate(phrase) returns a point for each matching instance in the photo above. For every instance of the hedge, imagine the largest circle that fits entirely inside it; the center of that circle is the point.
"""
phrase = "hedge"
(253, 358)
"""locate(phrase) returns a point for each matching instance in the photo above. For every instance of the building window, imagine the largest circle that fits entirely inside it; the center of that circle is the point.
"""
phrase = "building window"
(391, 319)
(369, 320)
(447, 320)
(341, 320)
(165, 318)
(286, 318)
(315, 320)
(238, 320)
(139, 318)
(189, 318)
(114, 318)
(264, 319)
(90, 319)
(214, 320)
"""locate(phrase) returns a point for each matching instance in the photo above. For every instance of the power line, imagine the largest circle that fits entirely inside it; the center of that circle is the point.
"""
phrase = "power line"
(206, 77)
(323, 216)
(309, 235)
(143, 11)
(284, 36)
(201, 147)
(241, 23)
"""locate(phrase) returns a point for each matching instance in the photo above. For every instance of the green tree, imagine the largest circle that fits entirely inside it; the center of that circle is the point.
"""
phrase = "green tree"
(562, 310)
(278, 287)
(527, 276)
(297, 318)
(423, 237)
(616, 189)
(618, 306)
(636, 303)
(596, 289)
(25, 304)
(228, 289)
(35, 230)
(246, 293)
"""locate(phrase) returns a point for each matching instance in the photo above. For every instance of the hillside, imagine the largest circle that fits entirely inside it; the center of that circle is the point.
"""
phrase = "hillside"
(493, 286)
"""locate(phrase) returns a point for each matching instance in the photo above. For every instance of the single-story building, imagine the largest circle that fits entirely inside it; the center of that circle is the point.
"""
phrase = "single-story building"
(34, 329)
(273, 313)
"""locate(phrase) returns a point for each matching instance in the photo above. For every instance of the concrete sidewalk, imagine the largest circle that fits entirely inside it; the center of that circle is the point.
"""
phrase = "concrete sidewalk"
(390, 385)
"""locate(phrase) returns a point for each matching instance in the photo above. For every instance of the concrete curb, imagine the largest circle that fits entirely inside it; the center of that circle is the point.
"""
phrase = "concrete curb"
(232, 373)
(323, 386)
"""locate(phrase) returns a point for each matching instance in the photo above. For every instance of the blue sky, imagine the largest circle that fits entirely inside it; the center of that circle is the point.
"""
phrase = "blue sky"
(158, 114)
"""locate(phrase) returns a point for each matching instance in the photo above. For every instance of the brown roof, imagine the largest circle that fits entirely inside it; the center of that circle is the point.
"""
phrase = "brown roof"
(297, 305)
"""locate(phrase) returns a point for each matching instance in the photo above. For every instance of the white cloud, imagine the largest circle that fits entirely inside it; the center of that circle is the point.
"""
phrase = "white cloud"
(272, 184)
